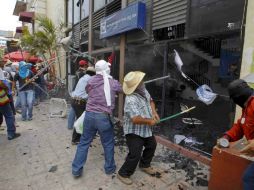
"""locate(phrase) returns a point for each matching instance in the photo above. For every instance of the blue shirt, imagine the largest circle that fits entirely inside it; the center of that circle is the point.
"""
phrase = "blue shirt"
(80, 90)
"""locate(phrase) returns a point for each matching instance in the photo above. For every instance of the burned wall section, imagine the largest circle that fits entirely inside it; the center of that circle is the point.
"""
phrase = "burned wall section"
(215, 16)
(208, 122)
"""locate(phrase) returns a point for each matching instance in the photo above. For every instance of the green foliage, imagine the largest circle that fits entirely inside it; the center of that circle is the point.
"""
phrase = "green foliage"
(44, 40)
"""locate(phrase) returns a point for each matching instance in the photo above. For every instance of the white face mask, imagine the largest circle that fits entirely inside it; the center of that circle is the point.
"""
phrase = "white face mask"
(108, 71)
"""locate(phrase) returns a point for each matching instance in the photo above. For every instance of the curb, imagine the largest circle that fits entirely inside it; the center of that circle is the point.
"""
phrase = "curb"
(184, 151)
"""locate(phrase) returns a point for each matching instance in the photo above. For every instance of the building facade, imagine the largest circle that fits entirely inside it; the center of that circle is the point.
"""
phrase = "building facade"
(207, 36)
(27, 10)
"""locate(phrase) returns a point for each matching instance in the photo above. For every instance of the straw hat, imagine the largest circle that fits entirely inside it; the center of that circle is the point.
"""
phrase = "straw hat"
(131, 81)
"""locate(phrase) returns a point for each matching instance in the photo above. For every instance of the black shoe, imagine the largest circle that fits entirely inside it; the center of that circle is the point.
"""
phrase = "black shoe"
(14, 137)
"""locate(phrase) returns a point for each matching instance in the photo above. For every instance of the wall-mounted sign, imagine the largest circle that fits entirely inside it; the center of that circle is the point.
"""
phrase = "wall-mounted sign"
(130, 18)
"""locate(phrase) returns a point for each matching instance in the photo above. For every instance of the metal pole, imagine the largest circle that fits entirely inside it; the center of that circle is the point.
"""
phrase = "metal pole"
(121, 67)
(80, 13)
(164, 82)
(90, 32)
(156, 79)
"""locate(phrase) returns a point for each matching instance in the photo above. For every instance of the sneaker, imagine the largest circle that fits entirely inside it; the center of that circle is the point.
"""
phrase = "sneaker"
(23, 119)
(76, 175)
(150, 170)
(14, 137)
(125, 180)
(30, 119)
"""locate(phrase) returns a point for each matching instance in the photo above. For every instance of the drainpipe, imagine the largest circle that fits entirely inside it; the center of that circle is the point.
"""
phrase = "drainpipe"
(90, 32)
(80, 13)
(121, 67)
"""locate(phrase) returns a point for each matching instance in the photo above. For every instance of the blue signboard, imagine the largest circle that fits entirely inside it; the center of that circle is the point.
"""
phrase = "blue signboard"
(130, 18)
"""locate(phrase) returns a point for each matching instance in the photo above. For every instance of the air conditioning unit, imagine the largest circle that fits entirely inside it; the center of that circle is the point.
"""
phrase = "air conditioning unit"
(71, 83)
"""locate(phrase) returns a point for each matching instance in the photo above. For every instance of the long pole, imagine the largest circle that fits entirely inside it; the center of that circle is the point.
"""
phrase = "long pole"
(40, 72)
(121, 66)
(177, 114)
(156, 79)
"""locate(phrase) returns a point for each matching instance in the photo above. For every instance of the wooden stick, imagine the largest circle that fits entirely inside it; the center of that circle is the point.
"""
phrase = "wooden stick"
(177, 114)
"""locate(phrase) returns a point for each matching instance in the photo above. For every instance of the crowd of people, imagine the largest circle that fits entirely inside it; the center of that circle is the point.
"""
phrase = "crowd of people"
(95, 94)
(17, 79)
(98, 100)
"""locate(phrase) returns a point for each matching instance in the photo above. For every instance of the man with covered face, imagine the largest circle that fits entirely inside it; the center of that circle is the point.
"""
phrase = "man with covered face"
(139, 117)
(102, 90)
(242, 95)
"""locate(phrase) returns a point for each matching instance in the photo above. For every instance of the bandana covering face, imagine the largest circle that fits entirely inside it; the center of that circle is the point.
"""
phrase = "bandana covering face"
(103, 69)
(24, 69)
(141, 90)
(240, 92)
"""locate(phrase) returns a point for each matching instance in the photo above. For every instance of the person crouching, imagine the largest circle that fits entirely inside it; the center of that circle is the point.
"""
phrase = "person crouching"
(139, 116)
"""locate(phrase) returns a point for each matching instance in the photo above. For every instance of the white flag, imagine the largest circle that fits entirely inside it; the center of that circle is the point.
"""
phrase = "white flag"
(179, 63)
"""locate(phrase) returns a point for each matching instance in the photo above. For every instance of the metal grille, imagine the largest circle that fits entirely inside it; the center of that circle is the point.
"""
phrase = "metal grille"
(84, 23)
(76, 35)
(112, 7)
(106, 11)
(97, 16)
(168, 13)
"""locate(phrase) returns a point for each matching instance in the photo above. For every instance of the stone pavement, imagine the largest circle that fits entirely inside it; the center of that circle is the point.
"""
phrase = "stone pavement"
(41, 160)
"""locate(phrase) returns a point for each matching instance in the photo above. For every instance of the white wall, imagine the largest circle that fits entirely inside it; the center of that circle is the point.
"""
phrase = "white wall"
(55, 10)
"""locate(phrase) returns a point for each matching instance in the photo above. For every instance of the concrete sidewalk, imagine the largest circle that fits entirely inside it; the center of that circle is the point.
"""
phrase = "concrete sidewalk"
(41, 160)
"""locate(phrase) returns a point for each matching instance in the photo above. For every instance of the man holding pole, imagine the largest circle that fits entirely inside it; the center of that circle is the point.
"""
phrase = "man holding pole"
(139, 117)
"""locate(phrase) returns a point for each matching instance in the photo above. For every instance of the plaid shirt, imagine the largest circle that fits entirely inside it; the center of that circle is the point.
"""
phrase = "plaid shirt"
(136, 105)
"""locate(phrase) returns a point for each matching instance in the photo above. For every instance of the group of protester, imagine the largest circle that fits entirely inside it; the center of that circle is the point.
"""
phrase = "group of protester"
(95, 93)
(18, 76)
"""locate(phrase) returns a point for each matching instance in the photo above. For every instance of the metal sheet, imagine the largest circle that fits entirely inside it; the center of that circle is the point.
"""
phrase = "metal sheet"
(168, 13)
(216, 16)
(130, 18)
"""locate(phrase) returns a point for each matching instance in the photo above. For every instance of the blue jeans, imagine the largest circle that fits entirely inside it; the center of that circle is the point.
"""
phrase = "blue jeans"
(248, 178)
(17, 103)
(71, 118)
(9, 119)
(94, 122)
(27, 98)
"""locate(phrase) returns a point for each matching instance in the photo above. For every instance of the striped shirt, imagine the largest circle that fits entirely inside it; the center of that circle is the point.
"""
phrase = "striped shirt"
(137, 105)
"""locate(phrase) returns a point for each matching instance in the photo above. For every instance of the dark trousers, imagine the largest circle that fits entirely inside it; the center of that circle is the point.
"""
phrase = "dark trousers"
(7, 112)
(79, 107)
(248, 178)
(1, 119)
(136, 154)
(12, 104)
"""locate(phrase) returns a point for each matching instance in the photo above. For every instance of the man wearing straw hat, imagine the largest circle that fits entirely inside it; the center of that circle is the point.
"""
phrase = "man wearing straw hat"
(101, 90)
(139, 117)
